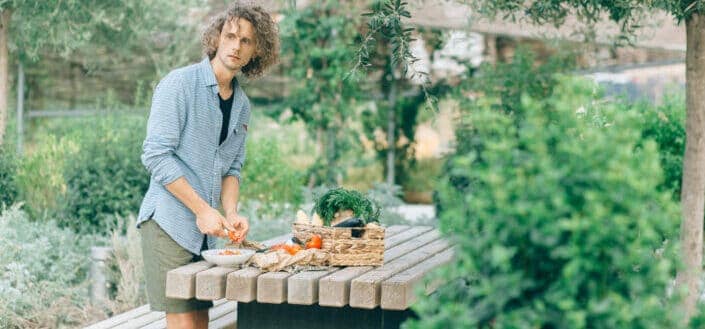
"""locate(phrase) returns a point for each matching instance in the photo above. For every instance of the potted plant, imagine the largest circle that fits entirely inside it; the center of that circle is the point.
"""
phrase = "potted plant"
(419, 182)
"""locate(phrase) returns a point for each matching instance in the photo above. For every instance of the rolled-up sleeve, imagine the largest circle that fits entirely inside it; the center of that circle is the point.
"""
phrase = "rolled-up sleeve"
(166, 120)
(236, 166)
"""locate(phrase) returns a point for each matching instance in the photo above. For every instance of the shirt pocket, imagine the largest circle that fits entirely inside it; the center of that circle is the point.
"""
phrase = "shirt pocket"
(232, 146)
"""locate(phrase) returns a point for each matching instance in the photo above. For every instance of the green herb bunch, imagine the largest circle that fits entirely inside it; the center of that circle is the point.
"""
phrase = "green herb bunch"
(340, 199)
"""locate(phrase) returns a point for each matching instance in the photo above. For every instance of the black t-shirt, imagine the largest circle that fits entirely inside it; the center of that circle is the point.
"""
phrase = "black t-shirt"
(225, 108)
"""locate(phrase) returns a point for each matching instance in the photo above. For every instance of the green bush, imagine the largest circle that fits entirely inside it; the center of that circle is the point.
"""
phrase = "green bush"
(44, 273)
(665, 124)
(422, 175)
(105, 177)
(40, 176)
(269, 183)
(8, 171)
(504, 84)
(96, 174)
(125, 269)
(557, 219)
(363, 175)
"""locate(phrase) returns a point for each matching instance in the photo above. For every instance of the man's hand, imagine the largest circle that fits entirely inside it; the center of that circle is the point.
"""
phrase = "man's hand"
(211, 222)
(241, 226)
(208, 220)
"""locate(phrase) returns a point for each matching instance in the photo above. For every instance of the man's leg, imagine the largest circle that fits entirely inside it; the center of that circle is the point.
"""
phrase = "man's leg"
(161, 254)
(188, 320)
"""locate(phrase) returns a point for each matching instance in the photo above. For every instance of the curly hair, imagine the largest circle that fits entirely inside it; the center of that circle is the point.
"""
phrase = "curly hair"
(266, 37)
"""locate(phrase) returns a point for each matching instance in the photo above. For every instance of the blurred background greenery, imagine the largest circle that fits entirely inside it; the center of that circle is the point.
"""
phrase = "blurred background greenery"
(503, 184)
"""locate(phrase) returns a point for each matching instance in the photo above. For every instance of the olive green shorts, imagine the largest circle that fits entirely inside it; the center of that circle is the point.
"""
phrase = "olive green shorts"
(162, 254)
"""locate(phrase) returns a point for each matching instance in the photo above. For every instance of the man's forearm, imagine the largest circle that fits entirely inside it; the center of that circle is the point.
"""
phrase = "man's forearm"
(229, 195)
(183, 191)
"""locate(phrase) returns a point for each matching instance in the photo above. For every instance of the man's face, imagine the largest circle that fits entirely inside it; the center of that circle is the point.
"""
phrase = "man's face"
(237, 44)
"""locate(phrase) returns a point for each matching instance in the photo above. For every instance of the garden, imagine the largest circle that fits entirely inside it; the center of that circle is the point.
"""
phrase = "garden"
(563, 203)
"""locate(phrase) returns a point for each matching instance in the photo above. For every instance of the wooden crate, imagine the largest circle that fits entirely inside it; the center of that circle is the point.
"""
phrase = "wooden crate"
(343, 248)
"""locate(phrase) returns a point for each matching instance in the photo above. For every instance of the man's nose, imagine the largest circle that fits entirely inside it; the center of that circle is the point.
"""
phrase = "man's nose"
(236, 44)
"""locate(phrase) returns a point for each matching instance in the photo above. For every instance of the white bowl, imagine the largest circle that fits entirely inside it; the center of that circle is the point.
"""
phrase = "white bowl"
(214, 256)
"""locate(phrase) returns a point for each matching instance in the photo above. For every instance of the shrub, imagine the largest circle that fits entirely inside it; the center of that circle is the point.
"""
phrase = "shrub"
(420, 180)
(40, 175)
(557, 220)
(504, 84)
(125, 267)
(105, 177)
(363, 175)
(44, 273)
(8, 170)
(269, 183)
(665, 124)
(422, 175)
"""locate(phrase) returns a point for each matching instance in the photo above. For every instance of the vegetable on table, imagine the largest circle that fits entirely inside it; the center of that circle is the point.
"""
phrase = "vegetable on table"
(233, 237)
(291, 249)
(316, 221)
(351, 222)
(315, 242)
(339, 200)
(301, 217)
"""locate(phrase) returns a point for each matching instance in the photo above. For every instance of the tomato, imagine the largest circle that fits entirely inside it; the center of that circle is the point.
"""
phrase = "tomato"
(315, 242)
(292, 249)
(231, 235)
(278, 246)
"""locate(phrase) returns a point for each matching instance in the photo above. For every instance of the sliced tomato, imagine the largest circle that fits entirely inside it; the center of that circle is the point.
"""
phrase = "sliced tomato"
(315, 242)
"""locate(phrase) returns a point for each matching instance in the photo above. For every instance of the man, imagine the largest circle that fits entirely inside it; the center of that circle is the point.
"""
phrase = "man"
(194, 151)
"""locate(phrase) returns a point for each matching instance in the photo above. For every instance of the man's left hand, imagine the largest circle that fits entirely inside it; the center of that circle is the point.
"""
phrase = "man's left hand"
(241, 225)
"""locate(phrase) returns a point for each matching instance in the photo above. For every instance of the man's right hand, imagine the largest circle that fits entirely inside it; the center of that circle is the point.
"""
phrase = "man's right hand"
(208, 220)
(211, 222)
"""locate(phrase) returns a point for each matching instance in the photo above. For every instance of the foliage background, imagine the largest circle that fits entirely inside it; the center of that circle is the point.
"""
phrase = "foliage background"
(80, 180)
(539, 192)
(45, 267)
(8, 184)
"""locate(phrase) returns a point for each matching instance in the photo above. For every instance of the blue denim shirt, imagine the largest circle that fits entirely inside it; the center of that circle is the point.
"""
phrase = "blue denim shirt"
(182, 141)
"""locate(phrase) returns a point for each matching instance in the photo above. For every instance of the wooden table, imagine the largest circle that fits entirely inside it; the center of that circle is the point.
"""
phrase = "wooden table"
(341, 297)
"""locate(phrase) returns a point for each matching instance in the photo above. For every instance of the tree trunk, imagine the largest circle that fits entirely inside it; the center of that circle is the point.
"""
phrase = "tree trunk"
(331, 159)
(391, 129)
(320, 153)
(4, 70)
(693, 192)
